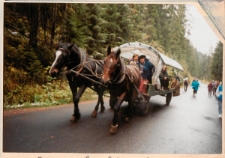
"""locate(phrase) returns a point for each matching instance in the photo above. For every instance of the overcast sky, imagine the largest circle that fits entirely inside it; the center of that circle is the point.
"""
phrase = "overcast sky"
(202, 36)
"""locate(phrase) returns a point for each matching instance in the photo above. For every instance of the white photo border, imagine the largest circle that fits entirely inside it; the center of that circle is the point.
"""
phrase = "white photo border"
(89, 155)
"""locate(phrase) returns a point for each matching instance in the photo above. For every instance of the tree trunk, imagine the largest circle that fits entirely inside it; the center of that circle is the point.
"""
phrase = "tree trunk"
(34, 12)
(54, 12)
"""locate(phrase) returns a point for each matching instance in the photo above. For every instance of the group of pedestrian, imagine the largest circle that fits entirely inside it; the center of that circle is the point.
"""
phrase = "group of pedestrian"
(216, 88)
(212, 86)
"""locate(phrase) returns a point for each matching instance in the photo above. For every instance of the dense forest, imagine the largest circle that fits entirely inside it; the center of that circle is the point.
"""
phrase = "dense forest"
(32, 29)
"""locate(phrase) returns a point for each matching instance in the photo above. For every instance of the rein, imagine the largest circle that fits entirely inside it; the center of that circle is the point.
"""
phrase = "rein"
(85, 64)
(99, 83)
(131, 80)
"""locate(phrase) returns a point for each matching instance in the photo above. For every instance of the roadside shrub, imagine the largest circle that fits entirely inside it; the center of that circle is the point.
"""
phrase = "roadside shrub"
(53, 93)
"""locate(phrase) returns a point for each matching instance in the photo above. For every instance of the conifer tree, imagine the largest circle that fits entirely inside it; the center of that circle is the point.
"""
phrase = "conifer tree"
(217, 62)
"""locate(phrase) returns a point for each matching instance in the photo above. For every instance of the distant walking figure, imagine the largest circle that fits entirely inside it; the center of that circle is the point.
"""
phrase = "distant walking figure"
(214, 87)
(210, 88)
(185, 85)
(195, 86)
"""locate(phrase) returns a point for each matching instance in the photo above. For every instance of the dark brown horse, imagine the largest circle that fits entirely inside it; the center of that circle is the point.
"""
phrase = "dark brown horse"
(121, 80)
(82, 72)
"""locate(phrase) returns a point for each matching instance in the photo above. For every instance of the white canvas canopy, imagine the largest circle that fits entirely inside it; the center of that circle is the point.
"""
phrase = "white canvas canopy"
(156, 58)
(185, 79)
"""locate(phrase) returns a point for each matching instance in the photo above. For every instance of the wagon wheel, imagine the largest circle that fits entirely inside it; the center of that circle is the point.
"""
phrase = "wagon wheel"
(145, 107)
(144, 104)
(168, 98)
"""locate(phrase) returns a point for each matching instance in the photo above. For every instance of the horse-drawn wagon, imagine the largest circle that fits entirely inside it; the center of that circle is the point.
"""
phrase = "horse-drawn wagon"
(113, 74)
(158, 60)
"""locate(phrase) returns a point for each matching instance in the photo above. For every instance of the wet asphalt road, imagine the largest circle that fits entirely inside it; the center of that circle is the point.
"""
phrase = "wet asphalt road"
(187, 126)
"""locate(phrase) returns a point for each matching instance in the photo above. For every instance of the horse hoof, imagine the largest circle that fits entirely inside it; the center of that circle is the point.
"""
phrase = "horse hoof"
(113, 129)
(127, 119)
(94, 113)
(72, 119)
(77, 116)
(102, 109)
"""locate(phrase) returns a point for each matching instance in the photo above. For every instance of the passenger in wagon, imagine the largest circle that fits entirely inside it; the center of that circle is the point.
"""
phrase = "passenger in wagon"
(134, 60)
(146, 68)
(164, 78)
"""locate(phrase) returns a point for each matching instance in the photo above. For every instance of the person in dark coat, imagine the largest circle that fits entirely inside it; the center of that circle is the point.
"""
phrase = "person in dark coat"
(185, 84)
(146, 68)
(164, 78)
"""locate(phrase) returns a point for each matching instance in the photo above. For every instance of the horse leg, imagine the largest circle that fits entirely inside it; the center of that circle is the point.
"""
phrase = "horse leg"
(112, 101)
(116, 108)
(94, 113)
(130, 105)
(73, 87)
(100, 101)
(76, 115)
(129, 111)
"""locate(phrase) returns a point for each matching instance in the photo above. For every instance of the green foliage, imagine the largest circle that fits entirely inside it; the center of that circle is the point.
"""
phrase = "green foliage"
(29, 54)
(217, 63)
(53, 93)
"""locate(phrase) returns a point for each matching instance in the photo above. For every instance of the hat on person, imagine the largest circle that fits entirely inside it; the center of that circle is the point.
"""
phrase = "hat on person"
(142, 56)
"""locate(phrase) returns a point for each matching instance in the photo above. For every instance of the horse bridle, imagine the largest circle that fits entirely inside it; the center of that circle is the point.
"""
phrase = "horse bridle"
(121, 74)
(66, 63)
(70, 62)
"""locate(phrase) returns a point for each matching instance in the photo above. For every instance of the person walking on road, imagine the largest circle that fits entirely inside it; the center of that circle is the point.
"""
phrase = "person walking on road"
(210, 88)
(213, 86)
(219, 95)
(185, 85)
(195, 86)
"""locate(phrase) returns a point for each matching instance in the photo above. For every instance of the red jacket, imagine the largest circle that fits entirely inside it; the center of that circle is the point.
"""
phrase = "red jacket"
(210, 86)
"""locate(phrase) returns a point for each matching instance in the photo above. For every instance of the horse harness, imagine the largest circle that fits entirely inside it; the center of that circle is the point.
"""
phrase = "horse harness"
(125, 71)
(83, 64)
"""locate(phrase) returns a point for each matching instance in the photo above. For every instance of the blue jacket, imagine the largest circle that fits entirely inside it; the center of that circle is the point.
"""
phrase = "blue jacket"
(147, 70)
(195, 85)
(219, 92)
